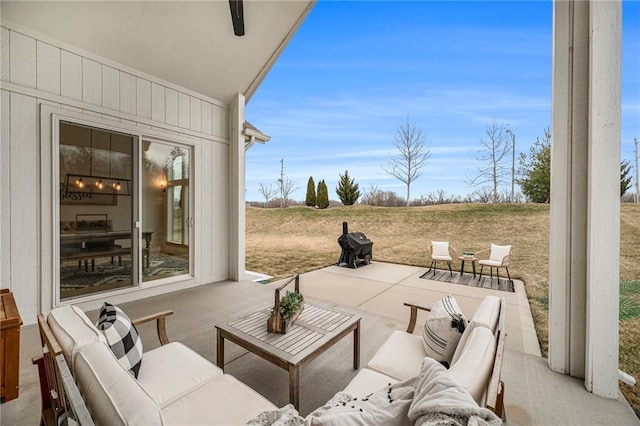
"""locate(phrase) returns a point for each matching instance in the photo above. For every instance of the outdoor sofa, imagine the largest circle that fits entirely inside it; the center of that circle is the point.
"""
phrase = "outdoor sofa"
(175, 385)
(476, 362)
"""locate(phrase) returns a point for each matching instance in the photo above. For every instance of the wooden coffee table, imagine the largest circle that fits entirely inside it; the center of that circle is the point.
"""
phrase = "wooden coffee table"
(316, 330)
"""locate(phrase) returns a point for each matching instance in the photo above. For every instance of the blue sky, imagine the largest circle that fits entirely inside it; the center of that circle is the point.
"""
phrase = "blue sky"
(356, 70)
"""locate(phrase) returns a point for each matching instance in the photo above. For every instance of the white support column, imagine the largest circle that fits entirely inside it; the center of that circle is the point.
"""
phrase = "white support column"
(603, 246)
(585, 203)
(237, 190)
(568, 246)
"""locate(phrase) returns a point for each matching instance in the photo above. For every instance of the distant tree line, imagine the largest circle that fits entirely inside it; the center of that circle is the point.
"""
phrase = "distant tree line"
(496, 168)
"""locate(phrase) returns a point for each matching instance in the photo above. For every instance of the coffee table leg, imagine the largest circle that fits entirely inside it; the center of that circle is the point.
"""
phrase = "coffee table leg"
(356, 346)
(473, 266)
(219, 349)
(462, 268)
(294, 386)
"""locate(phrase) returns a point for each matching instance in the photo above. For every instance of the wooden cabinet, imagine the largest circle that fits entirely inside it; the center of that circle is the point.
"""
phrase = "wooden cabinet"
(10, 323)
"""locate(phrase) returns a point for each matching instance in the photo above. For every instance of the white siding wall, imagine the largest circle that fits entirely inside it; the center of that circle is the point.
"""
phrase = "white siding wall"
(38, 71)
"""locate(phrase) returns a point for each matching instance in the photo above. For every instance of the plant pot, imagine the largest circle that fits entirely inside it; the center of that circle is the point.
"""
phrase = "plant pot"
(277, 324)
(291, 301)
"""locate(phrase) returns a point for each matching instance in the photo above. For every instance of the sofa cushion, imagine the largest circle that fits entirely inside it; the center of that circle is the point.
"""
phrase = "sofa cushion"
(367, 382)
(443, 328)
(73, 330)
(400, 356)
(172, 370)
(122, 337)
(488, 312)
(473, 369)
(221, 401)
(486, 315)
(112, 395)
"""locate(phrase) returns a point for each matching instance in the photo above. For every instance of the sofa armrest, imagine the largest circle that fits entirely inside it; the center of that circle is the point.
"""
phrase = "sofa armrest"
(414, 315)
(47, 416)
(160, 319)
(75, 406)
(496, 389)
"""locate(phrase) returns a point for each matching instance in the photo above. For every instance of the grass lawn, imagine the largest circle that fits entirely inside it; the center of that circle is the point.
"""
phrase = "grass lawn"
(282, 242)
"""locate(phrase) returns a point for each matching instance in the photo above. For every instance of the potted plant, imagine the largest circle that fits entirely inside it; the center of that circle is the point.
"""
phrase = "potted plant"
(286, 309)
(291, 305)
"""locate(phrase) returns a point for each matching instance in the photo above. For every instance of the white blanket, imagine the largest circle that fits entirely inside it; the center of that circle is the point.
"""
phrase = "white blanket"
(431, 398)
(438, 400)
(286, 416)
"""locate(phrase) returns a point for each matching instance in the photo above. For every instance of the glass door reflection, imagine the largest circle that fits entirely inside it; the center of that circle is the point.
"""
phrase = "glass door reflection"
(96, 210)
(165, 210)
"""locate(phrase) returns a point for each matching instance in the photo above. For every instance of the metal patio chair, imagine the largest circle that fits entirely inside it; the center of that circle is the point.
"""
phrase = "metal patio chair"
(499, 257)
(441, 251)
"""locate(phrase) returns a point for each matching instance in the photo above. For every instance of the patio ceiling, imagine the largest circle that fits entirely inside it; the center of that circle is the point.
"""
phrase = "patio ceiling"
(188, 43)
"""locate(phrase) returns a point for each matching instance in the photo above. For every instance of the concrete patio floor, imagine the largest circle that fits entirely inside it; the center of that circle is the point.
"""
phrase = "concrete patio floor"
(534, 394)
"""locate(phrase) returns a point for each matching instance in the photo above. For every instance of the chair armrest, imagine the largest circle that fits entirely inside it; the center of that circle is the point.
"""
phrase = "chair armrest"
(414, 315)
(480, 252)
(455, 252)
(160, 319)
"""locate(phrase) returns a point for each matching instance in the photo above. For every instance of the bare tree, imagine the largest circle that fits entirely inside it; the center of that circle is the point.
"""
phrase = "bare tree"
(268, 192)
(286, 186)
(412, 155)
(377, 197)
(493, 156)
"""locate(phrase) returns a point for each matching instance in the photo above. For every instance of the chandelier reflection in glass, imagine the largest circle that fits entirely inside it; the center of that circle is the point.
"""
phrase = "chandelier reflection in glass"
(83, 185)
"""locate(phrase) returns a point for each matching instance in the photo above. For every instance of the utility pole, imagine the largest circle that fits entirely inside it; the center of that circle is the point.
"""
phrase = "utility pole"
(513, 163)
(281, 183)
(635, 141)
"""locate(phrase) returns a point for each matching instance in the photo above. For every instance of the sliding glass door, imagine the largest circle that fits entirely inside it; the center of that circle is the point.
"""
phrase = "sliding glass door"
(124, 210)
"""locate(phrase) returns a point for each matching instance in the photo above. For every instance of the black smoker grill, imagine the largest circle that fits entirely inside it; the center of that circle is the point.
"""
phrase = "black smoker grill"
(356, 248)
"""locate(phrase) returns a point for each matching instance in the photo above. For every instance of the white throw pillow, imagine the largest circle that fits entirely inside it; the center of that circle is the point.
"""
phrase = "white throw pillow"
(440, 249)
(122, 337)
(443, 329)
(498, 253)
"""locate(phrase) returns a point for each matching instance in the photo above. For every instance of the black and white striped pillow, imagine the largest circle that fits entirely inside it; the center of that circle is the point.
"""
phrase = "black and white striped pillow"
(122, 337)
(443, 329)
